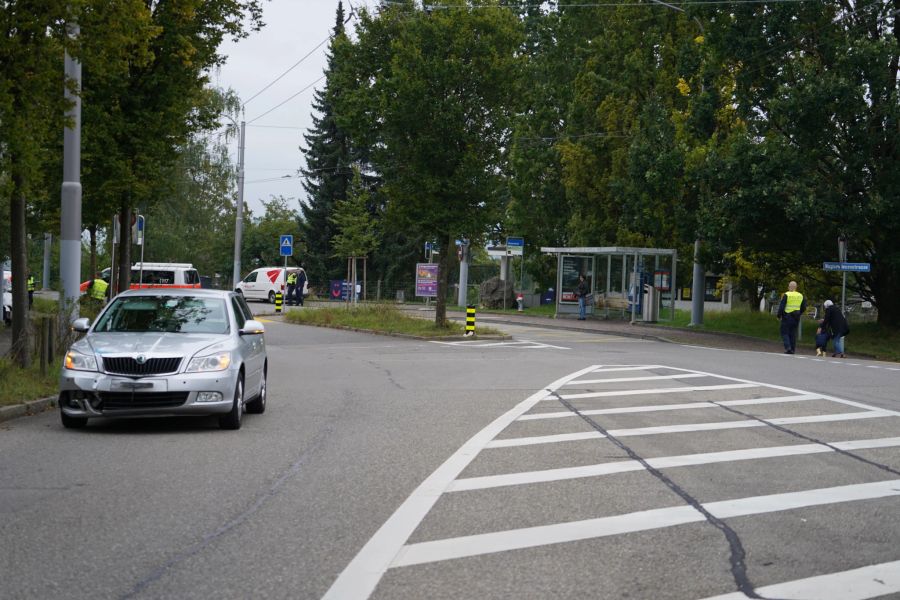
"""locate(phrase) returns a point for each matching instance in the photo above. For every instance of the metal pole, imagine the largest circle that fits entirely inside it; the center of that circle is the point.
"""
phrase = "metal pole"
(70, 209)
(48, 242)
(239, 220)
(143, 223)
(698, 290)
(637, 290)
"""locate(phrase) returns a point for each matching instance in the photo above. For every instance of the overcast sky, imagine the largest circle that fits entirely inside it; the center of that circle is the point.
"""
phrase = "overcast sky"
(293, 29)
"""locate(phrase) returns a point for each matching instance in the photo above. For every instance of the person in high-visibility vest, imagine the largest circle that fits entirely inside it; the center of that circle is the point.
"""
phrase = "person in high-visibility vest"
(291, 287)
(98, 289)
(792, 306)
(30, 290)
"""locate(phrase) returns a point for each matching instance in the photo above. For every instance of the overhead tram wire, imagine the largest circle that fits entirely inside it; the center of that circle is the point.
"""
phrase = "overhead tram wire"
(286, 100)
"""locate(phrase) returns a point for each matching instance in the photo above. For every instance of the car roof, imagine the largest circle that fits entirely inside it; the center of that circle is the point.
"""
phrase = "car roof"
(198, 292)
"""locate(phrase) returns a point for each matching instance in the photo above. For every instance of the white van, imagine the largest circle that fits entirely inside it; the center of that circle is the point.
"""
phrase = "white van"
(157, 275)
(263, 283)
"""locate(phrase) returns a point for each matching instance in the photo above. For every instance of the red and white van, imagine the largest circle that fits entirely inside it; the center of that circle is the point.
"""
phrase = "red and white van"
(157, 275)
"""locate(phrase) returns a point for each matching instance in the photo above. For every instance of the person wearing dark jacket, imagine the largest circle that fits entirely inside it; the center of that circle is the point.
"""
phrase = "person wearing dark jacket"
(835, 322)
(792, 306)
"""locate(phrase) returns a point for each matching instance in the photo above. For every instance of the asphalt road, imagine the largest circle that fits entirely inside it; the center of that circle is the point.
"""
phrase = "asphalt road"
(538, 467)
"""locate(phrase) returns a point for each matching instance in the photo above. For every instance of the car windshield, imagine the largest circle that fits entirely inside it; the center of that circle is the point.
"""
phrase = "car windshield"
(174, 314)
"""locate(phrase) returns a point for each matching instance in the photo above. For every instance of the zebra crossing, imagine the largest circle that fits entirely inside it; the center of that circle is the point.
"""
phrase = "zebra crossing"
(516, 344)
(692, 433)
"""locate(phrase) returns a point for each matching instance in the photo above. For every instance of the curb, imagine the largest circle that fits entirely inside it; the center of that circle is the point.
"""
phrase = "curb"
(26, 409)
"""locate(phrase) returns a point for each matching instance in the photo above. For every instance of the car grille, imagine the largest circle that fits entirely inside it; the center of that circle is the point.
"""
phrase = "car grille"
(126, 400)
(127, 365)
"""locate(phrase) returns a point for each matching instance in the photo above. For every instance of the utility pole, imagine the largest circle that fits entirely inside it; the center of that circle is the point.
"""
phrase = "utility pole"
(698, 289)
(239, 220)
(70, 209)
(48, 242)
(462, 295)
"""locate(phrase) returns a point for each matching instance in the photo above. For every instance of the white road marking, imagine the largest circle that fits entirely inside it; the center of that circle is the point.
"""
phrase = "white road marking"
(664, 462)
(545, 439)
(689, 427)
(362, 574)
(627, 379)
(530, 537)
(524, 344)
(697, 388)
(872, 581)
(663, 407)
(630, 368)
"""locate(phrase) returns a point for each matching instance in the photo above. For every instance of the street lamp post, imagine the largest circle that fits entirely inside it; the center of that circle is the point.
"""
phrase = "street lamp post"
(239, 219)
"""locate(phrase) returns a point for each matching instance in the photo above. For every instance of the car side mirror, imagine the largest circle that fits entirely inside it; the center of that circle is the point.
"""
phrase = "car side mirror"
(252, 327)
(81, 325)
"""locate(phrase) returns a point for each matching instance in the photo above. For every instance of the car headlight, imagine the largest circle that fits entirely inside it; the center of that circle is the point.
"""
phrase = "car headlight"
(213, 362)
(77, 361)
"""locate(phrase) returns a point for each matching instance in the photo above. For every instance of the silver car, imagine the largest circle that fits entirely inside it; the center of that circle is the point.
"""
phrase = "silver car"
(159, 352)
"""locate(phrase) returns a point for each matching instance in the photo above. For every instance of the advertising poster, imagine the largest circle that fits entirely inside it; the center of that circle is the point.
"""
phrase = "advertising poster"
(572, 267)
(426, 280)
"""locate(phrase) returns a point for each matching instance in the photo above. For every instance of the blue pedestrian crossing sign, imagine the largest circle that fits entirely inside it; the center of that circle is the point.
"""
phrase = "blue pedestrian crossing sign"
(287, 245)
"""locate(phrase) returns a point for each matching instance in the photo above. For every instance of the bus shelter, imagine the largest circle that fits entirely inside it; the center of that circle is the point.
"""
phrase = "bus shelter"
(624, 282)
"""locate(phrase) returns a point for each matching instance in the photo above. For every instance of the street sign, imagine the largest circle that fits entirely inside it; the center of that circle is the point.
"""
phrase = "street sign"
(845, 266)
(286, 244)
(515, 246)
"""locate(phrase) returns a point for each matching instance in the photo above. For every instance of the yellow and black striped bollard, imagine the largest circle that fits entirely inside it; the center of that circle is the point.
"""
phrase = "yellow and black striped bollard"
(278, 298)
(470, 320)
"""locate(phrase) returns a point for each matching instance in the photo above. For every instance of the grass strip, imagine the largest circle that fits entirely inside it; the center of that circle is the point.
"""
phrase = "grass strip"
(382, 318)
(18, 385)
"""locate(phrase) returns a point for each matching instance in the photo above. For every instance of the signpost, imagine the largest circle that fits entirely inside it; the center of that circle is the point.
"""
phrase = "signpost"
(286, 247)
(426, 280)
(845, 267)
(515, 246)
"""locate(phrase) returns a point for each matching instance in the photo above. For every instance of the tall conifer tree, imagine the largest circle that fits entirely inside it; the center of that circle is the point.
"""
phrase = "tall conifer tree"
(327, 174)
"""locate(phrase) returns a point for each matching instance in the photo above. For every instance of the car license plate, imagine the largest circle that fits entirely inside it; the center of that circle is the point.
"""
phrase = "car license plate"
(140, 385)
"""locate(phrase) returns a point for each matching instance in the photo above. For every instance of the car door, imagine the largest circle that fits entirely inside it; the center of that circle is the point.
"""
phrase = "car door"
(249, 285)
(251, 347)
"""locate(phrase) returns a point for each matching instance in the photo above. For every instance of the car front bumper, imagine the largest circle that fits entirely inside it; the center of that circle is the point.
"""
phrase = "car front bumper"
(93, 394)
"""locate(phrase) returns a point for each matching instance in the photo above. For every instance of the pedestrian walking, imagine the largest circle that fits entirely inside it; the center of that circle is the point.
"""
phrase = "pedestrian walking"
(836, 324)
(302, 286)
(581, 291)
(789, 311)
(291, 288)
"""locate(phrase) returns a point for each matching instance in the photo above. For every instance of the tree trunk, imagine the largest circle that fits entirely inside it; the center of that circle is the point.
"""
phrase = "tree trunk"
(440, 307)
(93, 269)
(21, 333)
(124, 250)
(886, 289)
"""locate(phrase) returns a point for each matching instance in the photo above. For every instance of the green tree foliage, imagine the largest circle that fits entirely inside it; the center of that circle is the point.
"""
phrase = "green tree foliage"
(434, 94)
(139, 119)
(353, 221)
(327, 173)
(260, 246)
(818, 155)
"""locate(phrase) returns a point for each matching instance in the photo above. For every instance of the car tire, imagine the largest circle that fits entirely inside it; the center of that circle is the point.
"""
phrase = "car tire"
(257, 406)
(70, 422)
(271, 297)
(232, 420)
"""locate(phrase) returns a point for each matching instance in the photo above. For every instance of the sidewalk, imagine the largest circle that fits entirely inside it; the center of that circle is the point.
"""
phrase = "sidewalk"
(675, 335)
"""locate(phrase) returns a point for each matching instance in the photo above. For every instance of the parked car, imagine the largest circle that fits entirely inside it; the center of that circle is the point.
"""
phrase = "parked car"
(263, 283)
(157, 275)
(166, 352)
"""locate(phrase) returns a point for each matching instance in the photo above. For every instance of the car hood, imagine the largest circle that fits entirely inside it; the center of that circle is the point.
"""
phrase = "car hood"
(153, 343)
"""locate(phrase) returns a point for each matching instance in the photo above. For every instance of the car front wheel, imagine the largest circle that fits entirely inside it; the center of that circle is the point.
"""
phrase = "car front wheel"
(257, 406)
(232, 420)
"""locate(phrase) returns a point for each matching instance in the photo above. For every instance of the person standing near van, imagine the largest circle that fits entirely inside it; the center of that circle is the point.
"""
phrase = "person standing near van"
(301, 286)
(836, 322)
(789, 311)
(291, 288)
